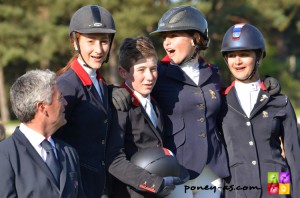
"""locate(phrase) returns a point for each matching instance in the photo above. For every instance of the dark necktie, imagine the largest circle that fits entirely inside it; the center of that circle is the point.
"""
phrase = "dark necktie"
(51, 160)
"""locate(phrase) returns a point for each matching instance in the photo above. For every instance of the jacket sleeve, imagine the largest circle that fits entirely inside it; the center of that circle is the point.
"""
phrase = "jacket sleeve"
(121, 168)
(292, 147)
(81, 193)
(7, 181)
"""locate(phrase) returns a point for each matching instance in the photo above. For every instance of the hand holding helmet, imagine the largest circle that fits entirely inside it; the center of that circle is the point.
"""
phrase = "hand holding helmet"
(168, 185)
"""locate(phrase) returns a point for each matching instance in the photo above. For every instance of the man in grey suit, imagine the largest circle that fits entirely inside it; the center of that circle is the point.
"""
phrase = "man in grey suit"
(26, 165)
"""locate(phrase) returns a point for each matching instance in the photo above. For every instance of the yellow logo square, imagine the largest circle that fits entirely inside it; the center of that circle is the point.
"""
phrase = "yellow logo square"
(284, 189)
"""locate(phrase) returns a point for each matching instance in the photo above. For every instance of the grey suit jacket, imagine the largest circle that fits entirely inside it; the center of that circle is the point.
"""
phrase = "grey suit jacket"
(23, 172)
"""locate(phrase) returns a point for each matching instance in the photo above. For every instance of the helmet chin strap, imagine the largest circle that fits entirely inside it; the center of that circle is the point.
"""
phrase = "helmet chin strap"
(197, 49)
(257, 63)
(251, 75)
(78, 49)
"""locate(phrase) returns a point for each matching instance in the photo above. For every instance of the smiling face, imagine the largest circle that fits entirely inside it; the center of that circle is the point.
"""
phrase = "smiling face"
(241, 65)
(142, 75)
(94, 48)
(178, 45)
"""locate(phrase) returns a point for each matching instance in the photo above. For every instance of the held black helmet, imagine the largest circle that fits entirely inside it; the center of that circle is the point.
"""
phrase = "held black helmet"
(183, 18)
(243, 37)
(159, 161)
(92, 19)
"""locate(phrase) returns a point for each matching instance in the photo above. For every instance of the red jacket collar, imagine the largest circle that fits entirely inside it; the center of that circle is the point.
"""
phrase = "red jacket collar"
(165, 59)
(84, 77)
(135, 100)
(226, 91)
(262, 86)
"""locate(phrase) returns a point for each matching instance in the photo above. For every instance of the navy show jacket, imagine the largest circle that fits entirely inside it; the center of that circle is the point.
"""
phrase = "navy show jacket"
(88, 125)
(253, 143)
(190, 114)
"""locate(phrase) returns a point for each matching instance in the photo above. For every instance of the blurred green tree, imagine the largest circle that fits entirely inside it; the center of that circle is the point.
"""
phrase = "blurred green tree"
(34, 34)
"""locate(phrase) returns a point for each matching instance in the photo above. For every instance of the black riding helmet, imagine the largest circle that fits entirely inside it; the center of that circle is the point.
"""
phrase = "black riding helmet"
(184, 18)
(159, 161)
(244, 37)
(92, 19)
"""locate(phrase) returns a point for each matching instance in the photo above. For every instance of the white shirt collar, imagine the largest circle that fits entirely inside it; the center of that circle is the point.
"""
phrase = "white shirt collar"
(191, 65)
(91, 72)
(93, 76)
(191, 69)
(34, 137)
(249, 87)
(247, 94)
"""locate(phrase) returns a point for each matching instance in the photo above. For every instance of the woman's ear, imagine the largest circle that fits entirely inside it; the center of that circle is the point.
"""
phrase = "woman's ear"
(259, 61)
(74, 44)
(193, 43)
(196, 38)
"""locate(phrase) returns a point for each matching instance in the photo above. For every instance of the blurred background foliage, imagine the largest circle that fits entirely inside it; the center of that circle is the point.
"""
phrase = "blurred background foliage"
(34, 34)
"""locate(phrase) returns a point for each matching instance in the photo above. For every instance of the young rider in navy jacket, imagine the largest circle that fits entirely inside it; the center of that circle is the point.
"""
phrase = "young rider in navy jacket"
(140, 129)
(88, 112)
(187, 90)
(254, 123)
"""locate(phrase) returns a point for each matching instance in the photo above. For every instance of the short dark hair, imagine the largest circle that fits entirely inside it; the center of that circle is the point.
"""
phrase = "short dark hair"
(134, 49)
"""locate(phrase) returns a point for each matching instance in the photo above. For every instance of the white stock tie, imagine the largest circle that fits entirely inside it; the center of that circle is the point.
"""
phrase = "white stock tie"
(151, 113)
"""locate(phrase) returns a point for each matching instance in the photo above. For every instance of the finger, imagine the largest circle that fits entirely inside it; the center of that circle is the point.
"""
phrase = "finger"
(116, 104)
(177, 181)
(126, 95)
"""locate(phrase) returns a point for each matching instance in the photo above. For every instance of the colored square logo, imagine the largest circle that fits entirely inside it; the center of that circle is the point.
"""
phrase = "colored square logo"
(284, 189)
(273, 177)
(284, 177)
(273, 189)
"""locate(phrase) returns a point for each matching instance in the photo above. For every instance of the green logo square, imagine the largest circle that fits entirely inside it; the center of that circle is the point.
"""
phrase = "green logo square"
(273, 177)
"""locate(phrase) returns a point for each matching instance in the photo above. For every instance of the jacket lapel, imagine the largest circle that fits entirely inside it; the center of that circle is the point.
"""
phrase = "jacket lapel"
(262, 100)
(104, 90)
(88, 84)
(205, 74)
(29, 150)
(63, 164)
(95, 98)
(174, 72)
(140, 111)
(233, 102)
(159, 117)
